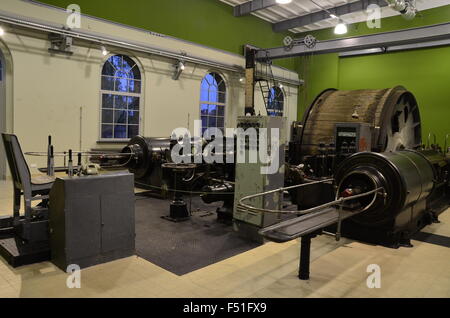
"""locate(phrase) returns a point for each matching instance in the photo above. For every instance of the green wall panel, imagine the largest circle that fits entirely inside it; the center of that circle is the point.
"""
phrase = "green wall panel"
(319, 72)
(207, 22)
(425, 72)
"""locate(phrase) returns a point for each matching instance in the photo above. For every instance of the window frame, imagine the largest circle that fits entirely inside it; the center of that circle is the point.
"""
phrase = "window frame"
(117, 93)
(225, 105)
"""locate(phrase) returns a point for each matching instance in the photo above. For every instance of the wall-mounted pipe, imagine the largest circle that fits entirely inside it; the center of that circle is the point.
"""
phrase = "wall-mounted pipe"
(134, 46)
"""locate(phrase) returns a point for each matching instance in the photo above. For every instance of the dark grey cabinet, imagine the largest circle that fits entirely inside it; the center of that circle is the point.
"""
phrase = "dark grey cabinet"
(92, 219)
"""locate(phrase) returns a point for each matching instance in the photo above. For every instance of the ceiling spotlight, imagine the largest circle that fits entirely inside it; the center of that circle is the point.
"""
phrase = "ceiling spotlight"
(341, 28)
(104, 50)
(179, 68)
(284, 1)
(333, 16)
(2, 32)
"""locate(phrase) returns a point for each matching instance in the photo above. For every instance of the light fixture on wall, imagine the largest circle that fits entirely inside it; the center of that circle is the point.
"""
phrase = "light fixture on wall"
(179, 68)
(2, 31)
(104, 50)
(281, 86)
(284, 1)
(341, 28)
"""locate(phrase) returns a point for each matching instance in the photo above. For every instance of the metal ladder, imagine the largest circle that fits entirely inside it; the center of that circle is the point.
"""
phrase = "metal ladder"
(266, 80)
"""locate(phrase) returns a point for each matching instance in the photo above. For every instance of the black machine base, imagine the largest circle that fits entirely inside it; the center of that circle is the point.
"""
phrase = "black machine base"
(248, 232)
(18, 253)
(178, 212)
(225, 215)
(388, 237)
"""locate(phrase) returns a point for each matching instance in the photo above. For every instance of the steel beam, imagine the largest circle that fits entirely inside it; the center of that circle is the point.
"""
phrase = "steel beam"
(357, 6)
(395, 48)
(381, 40)
(252, 6)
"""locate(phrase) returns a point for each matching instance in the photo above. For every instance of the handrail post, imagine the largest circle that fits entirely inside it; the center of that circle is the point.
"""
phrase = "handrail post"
(280, 203)
(339, 224)
(305, 257)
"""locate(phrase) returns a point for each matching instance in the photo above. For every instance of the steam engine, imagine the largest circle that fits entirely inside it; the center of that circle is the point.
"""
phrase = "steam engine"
(364, 140)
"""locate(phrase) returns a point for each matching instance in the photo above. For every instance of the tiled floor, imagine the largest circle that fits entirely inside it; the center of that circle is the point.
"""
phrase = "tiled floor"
(338, 270)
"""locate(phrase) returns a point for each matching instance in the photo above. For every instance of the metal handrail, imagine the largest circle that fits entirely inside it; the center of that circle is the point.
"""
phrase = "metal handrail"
(336, 202)
(339, 201)
(83, 154)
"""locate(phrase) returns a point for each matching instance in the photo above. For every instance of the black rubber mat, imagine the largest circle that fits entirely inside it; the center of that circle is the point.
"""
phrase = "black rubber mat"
(432, 239)
(186, 246)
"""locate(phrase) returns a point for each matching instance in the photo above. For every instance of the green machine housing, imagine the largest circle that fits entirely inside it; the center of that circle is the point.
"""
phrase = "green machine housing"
(250, 179)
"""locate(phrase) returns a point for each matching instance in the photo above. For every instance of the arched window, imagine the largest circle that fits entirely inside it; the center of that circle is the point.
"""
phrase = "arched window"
(275, 105)
(121, 98)
(213, 102)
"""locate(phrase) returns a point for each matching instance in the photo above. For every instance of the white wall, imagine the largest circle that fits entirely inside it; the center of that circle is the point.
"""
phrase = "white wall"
(48, 90)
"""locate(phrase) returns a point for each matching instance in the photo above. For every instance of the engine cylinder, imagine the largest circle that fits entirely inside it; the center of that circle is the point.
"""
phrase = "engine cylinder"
(145, 153)
(407, 177)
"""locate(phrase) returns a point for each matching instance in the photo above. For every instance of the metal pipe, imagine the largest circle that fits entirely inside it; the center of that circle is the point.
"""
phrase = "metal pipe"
(83, 154)
(112, 42)
(102, 40)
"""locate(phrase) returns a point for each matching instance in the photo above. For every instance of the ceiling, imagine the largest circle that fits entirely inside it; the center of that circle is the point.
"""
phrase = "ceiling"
(298, 8)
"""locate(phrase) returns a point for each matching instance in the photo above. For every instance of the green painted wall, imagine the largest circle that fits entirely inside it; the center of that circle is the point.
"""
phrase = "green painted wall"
(207, 22)
(424, 72)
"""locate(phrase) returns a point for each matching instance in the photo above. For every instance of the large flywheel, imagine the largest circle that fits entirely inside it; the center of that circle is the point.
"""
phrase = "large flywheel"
(393, 115)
